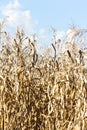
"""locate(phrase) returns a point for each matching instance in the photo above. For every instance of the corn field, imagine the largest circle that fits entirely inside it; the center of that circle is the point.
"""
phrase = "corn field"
(42, 92)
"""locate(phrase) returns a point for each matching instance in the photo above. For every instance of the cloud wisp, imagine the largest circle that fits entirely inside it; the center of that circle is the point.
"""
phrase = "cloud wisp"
(17, 17)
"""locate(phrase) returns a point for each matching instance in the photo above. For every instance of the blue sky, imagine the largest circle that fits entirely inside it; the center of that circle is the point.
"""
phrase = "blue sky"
(38, 16)
(57, 13)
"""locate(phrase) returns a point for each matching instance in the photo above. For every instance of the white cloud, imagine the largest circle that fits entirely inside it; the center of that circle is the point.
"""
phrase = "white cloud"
(15, 4)
(42, 34)
(17, 17)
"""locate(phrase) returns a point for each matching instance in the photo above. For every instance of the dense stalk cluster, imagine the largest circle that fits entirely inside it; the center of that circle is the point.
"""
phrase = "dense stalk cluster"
(42, 92)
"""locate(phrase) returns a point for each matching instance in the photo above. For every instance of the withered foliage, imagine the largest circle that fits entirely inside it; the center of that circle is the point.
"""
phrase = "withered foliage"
(42, 92)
